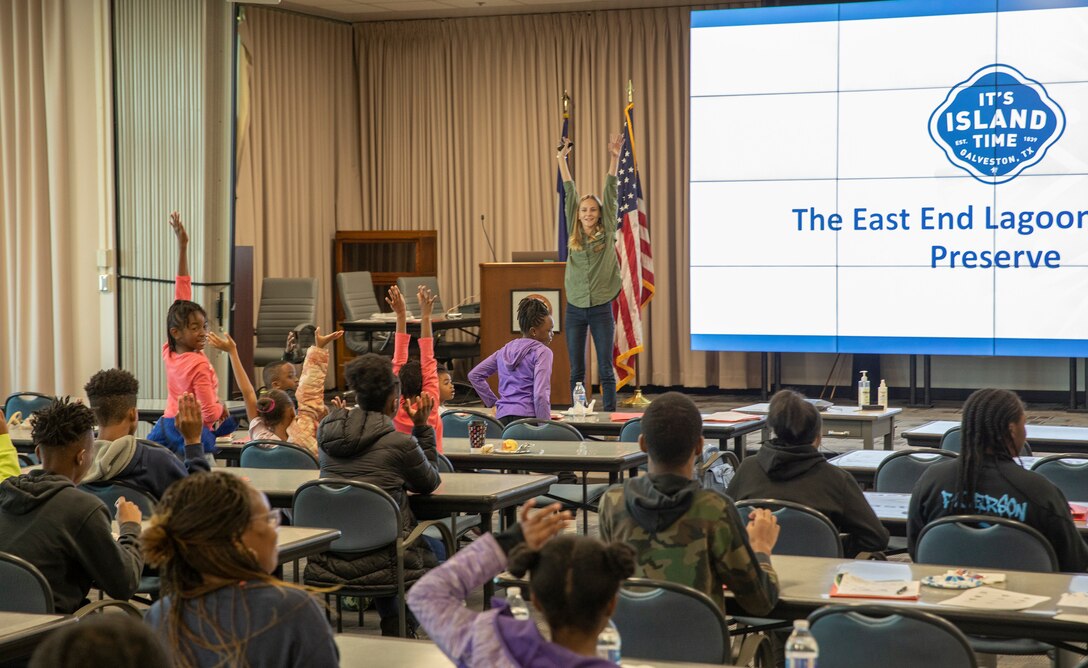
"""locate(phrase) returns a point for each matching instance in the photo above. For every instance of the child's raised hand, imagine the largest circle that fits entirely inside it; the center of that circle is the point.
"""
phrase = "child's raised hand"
(179, 228)
(224, 342)
(426, 301)
(322, 340)
(189, 421)
(395, 300)
(292, 341)
(422, 411)
(338, 402)
(541, 526)
(615, 143)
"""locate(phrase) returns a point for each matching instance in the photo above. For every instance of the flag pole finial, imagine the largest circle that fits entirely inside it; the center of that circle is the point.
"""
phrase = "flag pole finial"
(630, 92)
(566, 103)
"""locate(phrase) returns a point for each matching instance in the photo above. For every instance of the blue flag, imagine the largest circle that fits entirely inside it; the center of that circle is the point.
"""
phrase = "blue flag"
(562, 237)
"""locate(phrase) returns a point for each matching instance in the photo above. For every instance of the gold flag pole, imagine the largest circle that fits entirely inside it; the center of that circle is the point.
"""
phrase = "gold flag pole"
(636, 400)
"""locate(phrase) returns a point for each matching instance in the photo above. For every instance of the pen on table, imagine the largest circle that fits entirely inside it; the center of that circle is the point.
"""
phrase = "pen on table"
(902, 590)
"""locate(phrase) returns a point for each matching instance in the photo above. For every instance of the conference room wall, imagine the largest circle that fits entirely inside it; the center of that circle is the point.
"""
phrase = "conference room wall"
(458, 119)
(56, 167)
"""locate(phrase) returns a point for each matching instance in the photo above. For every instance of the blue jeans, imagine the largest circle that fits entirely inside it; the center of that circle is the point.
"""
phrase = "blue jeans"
(598, 319)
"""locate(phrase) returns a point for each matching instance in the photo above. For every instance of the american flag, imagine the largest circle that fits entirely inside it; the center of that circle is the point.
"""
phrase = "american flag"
(635, 257)
(562, 237)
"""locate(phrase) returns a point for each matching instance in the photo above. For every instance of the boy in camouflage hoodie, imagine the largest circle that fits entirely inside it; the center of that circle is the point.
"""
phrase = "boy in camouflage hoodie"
(682, 532)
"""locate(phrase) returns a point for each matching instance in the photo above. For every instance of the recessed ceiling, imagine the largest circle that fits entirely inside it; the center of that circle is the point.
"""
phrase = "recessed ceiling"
(376, 10)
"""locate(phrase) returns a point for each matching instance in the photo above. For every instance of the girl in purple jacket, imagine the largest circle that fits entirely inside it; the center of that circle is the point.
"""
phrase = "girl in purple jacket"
(574, 583)
(524, 366)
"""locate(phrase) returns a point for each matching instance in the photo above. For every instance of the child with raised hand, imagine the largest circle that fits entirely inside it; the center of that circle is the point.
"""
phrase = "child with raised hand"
(273, 416)
(416, 376)
(213, 538)
(187, 368)
(574, 582)
(524, 366)
(9, 457)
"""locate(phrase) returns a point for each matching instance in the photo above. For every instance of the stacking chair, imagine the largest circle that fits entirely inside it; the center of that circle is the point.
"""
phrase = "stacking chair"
(110, 491)
(806, 532)
(584, 496)
(272, 454)
(667, 621)
(989, 542)
(953, 440)
(25, 588)
(901, 470)
(860, 635)
(631, 430)
(287, 304)
(25, 403)
(368, 519)
(356, 290)
(455, 423)
(462, 523)
(1069, 473)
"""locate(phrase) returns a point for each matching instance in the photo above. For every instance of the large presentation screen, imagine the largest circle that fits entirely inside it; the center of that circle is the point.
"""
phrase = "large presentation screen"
(908, 176)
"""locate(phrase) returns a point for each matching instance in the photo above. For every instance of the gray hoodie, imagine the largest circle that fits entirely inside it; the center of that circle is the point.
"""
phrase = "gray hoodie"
(66, 533)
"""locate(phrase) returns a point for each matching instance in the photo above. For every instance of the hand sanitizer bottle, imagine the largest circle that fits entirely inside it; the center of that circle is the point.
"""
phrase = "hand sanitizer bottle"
(882, 394)
(863, 390)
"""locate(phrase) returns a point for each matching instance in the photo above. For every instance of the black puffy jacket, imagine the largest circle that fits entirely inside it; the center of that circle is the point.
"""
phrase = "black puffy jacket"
(364, 446)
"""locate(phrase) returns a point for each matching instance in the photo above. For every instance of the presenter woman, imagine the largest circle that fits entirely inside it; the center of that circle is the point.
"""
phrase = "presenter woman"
(592, 280)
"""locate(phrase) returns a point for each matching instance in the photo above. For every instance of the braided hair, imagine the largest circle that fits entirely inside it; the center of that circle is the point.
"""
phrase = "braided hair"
(61, 423)
(531, 313)
(987, 415)
(196, 531)
(177, 317)
(574, 578)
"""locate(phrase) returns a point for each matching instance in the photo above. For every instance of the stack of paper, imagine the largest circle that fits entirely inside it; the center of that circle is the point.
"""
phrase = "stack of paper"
(988, 598)
(848, 585)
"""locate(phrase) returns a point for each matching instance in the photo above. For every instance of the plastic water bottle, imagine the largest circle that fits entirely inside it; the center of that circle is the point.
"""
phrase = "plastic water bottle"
(801, 648)
(863, 390)
(518, 608)
(608, 643)
(578, 397)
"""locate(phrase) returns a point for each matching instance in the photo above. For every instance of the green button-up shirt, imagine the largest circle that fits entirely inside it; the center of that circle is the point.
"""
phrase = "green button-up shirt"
(593, 274)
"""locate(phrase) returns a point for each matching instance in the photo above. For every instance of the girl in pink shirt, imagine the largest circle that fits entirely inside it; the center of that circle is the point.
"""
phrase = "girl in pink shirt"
(187, 367)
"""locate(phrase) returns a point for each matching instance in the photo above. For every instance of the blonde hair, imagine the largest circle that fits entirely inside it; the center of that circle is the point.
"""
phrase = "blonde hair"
(577, 241)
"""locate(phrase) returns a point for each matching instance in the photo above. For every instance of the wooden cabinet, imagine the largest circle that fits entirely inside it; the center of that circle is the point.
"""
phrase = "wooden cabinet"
(387, 255)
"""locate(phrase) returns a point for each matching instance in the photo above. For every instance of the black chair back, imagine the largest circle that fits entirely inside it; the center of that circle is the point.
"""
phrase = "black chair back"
(666, 621)
(900, 470)
(25, 588)
(985, 541)
(860, 635)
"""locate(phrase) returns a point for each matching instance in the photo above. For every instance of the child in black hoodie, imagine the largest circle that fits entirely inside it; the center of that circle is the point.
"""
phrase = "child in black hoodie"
(62, 530)
(791, 468)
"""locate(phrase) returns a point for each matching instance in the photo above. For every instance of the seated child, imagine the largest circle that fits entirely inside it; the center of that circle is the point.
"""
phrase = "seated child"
(274, 416)
(681, 532)
(63, 530)
(574, 583)
(116, 641)
(119, 456)
(524, 366)
(213, 539)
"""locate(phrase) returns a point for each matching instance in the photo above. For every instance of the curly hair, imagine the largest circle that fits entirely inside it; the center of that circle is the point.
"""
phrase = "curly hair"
(411, 378)
(272, 407)
(574, 577)
(102, 640)
(61, 423)
(531, 313)
(177, 317)
(672, 427)
(371, 377)
(112, 394)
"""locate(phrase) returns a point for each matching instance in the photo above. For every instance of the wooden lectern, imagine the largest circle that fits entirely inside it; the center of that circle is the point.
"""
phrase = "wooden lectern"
(500, 283)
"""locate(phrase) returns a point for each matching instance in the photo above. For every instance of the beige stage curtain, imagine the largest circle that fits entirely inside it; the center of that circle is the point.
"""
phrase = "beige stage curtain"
(459, 119)
(298, 169)
(55, 193)
(454, 128)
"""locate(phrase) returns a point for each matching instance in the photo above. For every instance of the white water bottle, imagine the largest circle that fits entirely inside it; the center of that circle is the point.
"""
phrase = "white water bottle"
(801, 648)
(518, 608)
(882, 394)
(578, 397)
(608, 643)
(863, 390)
